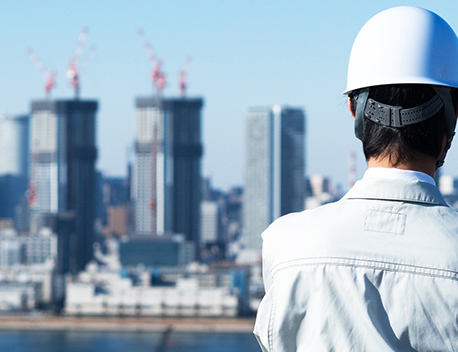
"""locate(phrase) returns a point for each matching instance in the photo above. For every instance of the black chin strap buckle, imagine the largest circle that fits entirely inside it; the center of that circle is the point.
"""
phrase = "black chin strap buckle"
(386, 115)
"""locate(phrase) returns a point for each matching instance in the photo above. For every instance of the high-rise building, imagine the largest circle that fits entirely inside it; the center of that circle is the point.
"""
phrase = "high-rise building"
(14, 162)
(319, 184)
(274, 168)
(62, 175)
(167, 174)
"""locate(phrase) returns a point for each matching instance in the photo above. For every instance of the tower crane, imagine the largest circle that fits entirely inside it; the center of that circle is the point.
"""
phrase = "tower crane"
(86, 58)
(157, 76)
(184, 77)
(48, 76)
(74, 70)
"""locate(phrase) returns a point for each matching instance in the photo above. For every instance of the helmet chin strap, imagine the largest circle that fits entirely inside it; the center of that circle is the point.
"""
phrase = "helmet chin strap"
(450, 119)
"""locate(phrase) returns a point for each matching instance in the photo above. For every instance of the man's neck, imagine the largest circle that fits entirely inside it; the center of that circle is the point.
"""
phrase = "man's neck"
(426, 165)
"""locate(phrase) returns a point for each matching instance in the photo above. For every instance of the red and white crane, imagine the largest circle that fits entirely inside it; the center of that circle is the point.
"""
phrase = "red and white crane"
(74, 71)
(49, 76)
(86, 58)
(184, 77)
(157, 76)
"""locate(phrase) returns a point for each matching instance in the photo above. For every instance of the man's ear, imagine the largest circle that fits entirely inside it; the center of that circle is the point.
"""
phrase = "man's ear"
(350, 107)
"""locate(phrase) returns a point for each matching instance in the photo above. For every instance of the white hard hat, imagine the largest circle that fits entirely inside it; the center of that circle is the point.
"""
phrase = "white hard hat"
(404, 45)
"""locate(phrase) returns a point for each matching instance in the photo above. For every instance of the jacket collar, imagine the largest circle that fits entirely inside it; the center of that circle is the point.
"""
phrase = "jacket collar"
(397, 190)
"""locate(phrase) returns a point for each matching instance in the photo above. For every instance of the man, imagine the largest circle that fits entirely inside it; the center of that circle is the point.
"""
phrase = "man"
(377, 270)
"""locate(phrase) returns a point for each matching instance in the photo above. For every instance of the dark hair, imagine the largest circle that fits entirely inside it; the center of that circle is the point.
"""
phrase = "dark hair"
(401, 145)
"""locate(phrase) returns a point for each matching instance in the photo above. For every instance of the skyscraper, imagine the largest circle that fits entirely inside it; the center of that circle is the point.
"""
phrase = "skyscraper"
(167, 179)
(62, 176)
(274, 168)
(14, 162)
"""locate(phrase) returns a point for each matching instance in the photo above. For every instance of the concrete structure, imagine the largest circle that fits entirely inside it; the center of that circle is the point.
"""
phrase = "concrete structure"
(274, 168)
(14, 162)
(62, 177)
(167, 174)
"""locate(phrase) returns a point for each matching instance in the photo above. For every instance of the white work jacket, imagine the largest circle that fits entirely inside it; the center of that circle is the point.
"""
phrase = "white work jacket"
(375, 271)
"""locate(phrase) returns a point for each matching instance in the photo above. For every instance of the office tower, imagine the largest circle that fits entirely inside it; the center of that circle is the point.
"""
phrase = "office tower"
(274, 168)
(62, 175)
(14, 161)
(167, 178)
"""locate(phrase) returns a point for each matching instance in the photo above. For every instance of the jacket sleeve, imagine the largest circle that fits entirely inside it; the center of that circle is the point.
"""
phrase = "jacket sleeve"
(267, 259)
(261, 329)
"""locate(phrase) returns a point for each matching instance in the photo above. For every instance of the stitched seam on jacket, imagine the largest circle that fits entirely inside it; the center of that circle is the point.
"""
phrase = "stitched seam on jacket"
(271, 321)
(369, 264)
(400, 199)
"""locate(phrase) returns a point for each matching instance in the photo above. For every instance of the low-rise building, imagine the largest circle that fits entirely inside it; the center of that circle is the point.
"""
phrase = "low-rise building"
(121, 298)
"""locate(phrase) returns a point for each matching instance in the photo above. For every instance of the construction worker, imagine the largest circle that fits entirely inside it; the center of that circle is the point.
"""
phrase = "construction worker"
(377, 270)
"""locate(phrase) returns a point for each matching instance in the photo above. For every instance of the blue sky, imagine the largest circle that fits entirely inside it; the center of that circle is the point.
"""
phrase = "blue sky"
(243, 53)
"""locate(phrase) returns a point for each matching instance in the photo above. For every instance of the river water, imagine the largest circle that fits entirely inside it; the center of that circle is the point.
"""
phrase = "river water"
(78, 341)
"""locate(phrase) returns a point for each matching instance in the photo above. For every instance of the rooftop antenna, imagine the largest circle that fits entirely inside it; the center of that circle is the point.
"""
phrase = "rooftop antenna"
(48, 76)
(157, 76)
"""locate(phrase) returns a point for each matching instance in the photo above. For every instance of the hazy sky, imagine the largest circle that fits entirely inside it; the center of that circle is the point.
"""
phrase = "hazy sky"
(243, 53)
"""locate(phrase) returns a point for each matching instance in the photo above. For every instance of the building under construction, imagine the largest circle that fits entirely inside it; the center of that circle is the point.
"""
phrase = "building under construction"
(168, 167)
(62, 175)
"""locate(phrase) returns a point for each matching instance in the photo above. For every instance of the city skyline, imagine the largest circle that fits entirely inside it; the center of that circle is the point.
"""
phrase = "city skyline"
(245, 54)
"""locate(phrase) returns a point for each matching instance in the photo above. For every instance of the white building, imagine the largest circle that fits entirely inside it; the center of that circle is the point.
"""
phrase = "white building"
(37, 249)
(26, 265)
(98, 293)
(151, 147)
(319, 184)
(209, 221)
(18, 296)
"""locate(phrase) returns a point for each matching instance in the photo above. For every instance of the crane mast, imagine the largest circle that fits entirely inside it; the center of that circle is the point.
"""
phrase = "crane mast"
(48, 76)
(184, 77)
(74, 70)
(158, 77)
